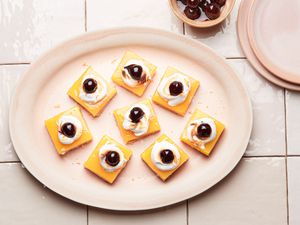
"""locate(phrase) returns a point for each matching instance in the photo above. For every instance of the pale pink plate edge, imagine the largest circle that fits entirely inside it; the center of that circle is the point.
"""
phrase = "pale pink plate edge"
(244, 42)
(268, 64)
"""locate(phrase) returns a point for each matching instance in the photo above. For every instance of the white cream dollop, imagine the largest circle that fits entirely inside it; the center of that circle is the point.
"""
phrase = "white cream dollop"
(164, 92)
(156, 159)
(69, 119)
(99, 94)
(126, 77)
(102, 157)
(192, 132)
(142, 126)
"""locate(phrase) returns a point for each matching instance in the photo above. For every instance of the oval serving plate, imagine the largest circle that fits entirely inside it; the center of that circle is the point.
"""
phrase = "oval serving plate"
(41, 94)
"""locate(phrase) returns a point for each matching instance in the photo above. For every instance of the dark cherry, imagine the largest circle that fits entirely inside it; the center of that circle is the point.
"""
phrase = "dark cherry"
(220, 2)
(192, 13)
(203, 131)
(68, 129)
(166, 156)
(193, 3)
(136, 114)
(135, 71)
(183, 1)
(203, 4)
(212, 11)
(90, 85)
(112, 158)
(175, 88)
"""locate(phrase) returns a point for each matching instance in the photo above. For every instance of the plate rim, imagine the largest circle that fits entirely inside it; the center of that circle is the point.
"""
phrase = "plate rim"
(251, 57)
(267, 63)
(110, 31)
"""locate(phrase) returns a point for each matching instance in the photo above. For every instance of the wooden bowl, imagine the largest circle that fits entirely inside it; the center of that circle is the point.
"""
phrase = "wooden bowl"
(225, 11)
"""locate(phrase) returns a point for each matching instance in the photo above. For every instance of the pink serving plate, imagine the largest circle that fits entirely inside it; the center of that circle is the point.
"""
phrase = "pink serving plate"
(242, 22)
(42, 93)
(274, 34)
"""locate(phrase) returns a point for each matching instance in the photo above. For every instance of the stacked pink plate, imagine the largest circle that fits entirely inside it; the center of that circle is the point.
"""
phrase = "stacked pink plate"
(269, 33)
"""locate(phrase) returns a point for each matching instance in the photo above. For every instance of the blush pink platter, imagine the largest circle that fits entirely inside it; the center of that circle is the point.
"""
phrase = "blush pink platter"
(242, 24)
(274, 34)
(41, 94)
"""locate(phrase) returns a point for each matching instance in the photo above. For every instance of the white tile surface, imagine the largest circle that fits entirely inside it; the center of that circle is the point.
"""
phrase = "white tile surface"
(268, 134)
(25, 201)
(294, 189)
(222, 38)
(146, 13)
(255, 193)
(29, 27)
(293, 122)
(174, 215)
(9, 76)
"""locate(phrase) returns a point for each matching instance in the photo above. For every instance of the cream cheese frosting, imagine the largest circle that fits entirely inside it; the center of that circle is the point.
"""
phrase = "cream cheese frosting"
(192, 132)
(156, 158)
(69, 119)
(102, 157)
(142, 126)
(164, 92)
(127, 78)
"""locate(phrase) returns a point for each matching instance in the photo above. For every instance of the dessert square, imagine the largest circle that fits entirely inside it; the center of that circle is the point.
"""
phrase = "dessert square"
(108, 159)
(137, 121)
(202, 132)
(134, 73)
(175, 91)
(164, 157)
(92, 91)
(68, 130)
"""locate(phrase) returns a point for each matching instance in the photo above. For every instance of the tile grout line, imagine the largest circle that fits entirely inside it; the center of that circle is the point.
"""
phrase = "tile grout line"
(85, 15)
(187, 212)
(271, 156)
(287, 192)
(236, 58)
(263, 156)
(290, 156)
(12, 162)
(14, 64)
(286, 155)
(87, 215)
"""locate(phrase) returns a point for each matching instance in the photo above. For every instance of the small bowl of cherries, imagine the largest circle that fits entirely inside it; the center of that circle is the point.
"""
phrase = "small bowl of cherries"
(202, 13)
